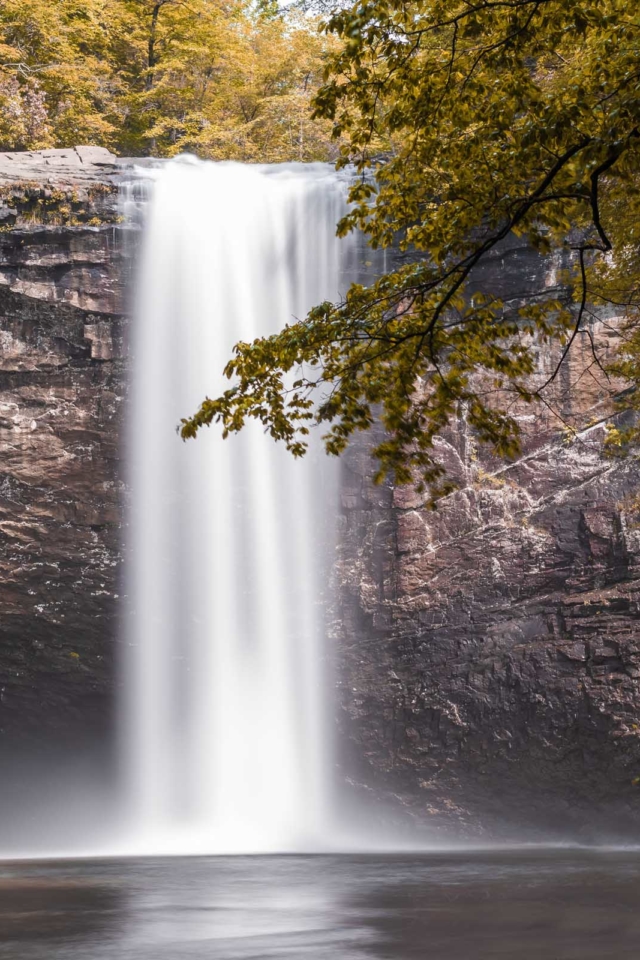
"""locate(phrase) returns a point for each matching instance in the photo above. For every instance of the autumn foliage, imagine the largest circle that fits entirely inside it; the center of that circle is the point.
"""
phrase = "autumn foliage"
(225, 80)
(466, 123)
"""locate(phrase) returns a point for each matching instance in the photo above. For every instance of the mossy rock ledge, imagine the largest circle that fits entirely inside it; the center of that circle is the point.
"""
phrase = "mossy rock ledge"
(67, 187)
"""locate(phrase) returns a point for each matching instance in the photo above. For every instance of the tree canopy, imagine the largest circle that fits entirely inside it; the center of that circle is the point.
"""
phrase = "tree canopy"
(222, 78)
(467, 121)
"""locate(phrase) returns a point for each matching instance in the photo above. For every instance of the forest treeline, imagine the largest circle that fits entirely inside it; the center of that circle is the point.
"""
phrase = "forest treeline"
(225, 79)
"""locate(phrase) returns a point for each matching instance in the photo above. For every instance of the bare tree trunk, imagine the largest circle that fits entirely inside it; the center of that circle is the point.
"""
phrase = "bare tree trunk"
(152, 59)
(151, 56)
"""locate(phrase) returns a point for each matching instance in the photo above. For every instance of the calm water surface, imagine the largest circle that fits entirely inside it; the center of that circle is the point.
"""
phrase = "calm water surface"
(554, 905)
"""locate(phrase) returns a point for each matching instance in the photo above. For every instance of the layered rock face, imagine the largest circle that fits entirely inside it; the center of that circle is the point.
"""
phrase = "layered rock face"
(489, 651)
(62, 388)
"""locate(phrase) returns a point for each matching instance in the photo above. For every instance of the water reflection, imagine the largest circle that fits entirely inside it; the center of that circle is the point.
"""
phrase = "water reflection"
(554, 905)
(55, 909)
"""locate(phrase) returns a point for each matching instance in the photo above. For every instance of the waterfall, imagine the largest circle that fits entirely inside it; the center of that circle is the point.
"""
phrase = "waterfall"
(226, 732)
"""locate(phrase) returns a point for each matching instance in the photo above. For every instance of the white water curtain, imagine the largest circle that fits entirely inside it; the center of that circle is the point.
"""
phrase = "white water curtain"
(226, 733)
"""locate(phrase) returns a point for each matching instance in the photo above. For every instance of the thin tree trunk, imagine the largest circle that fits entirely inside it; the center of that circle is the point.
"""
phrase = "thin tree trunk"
(151, 56)
(152, 59)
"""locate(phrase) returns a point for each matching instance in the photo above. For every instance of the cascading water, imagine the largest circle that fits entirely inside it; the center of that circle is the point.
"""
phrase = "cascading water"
(226, 730)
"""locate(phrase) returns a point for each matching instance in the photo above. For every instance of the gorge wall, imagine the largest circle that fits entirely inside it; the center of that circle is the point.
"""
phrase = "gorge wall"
(488, 653)
(62, 385)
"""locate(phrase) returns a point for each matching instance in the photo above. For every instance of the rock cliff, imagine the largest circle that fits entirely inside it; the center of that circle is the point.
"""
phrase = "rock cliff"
(488, 653)
(62, 386)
